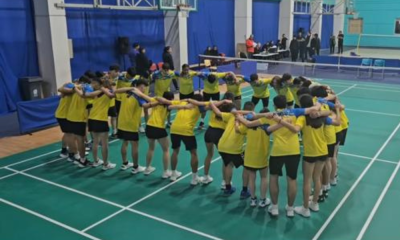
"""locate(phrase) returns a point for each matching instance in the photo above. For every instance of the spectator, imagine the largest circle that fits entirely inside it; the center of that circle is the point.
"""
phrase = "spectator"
(143, 63)
(214, 51)
(133, 53)
(283, 42)
(308, 52)
(250, 44)
(167, 58)
(208, 51)
(294, 49)
(332, 44)
(302, 47)
(257, 49)
(315, 45)
(340, 42)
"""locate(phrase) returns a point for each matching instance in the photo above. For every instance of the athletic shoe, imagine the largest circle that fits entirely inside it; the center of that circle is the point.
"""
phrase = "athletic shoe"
(149, 170)
(196, 180)
(253, 202)
(126, 166)
(223, 185)
(230, 191)
(85, 163)
(334, 182)
(273, 210)
(313, 206)
(88, 146)
(264, 202)
(113, 136)
(201, 125)
(141, 129)
(175, 175)
(325, 193)
(97, 163)
(72, 159)
(244, 194)
(321, 198)
(64, 154)
(109, 166)
(207, 179)
(86, 153)
(166, 174)
(138, 169)
(289, 211)
(302, 211)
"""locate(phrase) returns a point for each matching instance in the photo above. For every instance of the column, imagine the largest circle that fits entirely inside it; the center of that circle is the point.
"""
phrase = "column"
(286, 18)
(243, 21)
(316, 17)
(53, 45)
(338, 18)
(175, 25)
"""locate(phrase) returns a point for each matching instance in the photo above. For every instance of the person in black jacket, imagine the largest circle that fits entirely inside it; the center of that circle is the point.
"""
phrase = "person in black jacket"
(283, 42)
(309, 50)
(302, 47)
(315, 45)
(332, 44)
(294, 49)
(167, 58)
(143, 63)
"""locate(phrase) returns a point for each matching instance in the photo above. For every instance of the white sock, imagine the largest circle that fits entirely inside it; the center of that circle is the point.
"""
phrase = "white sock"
(77, 156)
(194, 175)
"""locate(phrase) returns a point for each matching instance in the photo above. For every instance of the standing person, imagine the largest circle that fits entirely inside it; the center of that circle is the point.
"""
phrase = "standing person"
(284, 42)
(185, 79)
(208, 51)
(260, 89)
(332, 44)
(317, 46)
(250, 44)
(167, 58)
(340, 42)
(302, 47)
(113, 75)
(143, 63)
(133, 53)
(294, 49)
(308, 53)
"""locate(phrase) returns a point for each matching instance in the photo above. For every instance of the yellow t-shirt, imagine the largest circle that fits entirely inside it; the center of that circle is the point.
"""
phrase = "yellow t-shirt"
(63, 106)
(314, 141)
(330, 134)
(234, 87)
(211, 88)
(286, 143)
(344, 120)
(186, 83)
(162, 82)
(77, 109)
(185, 121)
(231, 142)
(261, 88)
(130, 115)
(294, 90)
(100, 107)
(287, 93)
(159, 114)
(123, 83)
(216, 122)
(257, 148)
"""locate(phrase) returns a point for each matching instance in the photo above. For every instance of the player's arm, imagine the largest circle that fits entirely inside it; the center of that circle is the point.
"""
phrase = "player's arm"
(247, 123)
(138, 93)
(180, 107)
(91, 94)
(337, 120)
(290, 126)
(123, 90)
(108, 92)
(215, 109)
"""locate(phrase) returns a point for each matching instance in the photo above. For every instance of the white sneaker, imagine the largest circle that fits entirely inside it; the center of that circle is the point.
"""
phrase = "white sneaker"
(137, 170)
(141, 129)
(253, 202)
(302, 211)
(264, 202)
(63, 155)
(109, 166)
(334, 182)
(86, 153)
(97, 163)
(175, 175)
(223, 185)
(313, 206)
(196, 181)
(207, 179)
(126, 166)
(166, 174)
(273, 210)
(149, 170)
(289, 211)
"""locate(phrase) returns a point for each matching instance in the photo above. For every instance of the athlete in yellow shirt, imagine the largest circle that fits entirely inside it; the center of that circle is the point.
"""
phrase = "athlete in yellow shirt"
(162, 80)
(129, 121)
(260, 89)
(113, 75)
(233, 85)
(185, 79)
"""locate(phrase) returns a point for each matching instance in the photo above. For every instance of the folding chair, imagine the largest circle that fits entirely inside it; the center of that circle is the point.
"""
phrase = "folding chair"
(366, 63)
(379, 64)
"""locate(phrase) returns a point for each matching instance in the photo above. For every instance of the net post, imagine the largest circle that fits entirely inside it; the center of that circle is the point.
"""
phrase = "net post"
(358, 44)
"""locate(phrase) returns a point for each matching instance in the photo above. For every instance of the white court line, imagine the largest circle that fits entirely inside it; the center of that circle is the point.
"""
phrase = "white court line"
(347, 89)
(366, 158)
(385, 86)
(378, 203)
(372, 112)
(363, 88)
(344, 199)
(49, 219)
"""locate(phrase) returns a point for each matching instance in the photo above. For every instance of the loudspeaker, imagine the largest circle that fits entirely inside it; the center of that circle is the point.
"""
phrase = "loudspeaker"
(123, 45)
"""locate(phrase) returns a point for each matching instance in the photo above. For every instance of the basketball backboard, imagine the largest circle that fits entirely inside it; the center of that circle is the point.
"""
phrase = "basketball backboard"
(172, 5)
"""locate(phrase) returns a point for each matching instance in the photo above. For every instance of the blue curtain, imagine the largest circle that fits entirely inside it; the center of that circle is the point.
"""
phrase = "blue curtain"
(212, 24)
(18, 53)
(301, 21)
(95, 33)
(266, 20)
(327, 28)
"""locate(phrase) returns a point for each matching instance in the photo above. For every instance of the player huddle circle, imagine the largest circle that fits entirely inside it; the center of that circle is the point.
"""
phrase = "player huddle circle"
(304, 112)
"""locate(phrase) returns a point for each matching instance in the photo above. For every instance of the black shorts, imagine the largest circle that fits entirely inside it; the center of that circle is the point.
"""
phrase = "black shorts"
(265, 101)
(291, 163)
(238, 97)
(112, 111)
(155, 132)
(77, 128)
(89, 106)
(343, 140)
(117, 105)
(315, 159)
(189, 141)
(64, 125)
(289, 104)
(128, 136)
(213, 135)
(213, 96)
(236, 159)
(186, 96)
(331, 150)
(98, 126)
(255, 169)
(339, 137)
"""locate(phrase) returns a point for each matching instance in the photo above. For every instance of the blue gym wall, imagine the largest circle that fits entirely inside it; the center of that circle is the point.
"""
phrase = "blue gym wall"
(327, 28)
(266, 20)
(379, 18)
(302, 20)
